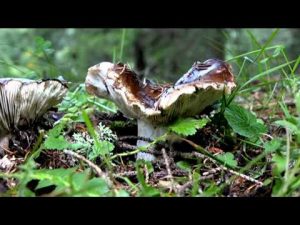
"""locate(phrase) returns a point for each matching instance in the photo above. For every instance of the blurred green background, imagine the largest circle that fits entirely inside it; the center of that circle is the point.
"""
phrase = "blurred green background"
(158, 54)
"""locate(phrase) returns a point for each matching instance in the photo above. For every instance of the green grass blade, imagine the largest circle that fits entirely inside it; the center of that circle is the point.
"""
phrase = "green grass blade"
(270, 39)
(265, 73)
(122, 44)
(252, 52)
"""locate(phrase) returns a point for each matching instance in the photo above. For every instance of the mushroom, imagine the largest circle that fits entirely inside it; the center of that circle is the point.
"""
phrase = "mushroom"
(153, 105)
(24, 101)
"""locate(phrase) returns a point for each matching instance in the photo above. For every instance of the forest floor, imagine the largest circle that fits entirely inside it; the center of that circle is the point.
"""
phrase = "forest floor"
(173, 170)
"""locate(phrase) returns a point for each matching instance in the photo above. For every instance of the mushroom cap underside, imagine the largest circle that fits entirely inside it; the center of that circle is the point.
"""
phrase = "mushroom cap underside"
(188, 100)
(23, 101)
(200, 87)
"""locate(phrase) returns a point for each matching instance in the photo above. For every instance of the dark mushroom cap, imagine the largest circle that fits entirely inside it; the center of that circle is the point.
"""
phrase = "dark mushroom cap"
(24, 100)
(201, 86)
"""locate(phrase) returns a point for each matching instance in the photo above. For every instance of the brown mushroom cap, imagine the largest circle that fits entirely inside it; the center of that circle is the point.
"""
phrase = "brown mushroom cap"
(24, 101)
(201, 86)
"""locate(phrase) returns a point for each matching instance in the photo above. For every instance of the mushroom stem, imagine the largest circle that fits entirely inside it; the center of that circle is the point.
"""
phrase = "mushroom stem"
(4, 144)
(147, 130)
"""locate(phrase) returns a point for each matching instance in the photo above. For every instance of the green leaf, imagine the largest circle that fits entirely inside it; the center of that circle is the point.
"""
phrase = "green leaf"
(149, 167)
(196, 180)
(244, 122)
(81, 184)
(79, 179)
(122, 193)
(267, 182)
(104, 147)
(212, 190)
(277, 51)
(272, 145)
(228, 159)
(59, 143)
(95, 187)
(140, 176)
(184, 166)
(56, 131)
(296, 183)
(149, 192)
(55, 140)
(47, 177)
(146, 190)
(187, 126)
(28, 193)
(43, 45)
(284, 123)
(280, 162)
(264, 60)
(297, 100)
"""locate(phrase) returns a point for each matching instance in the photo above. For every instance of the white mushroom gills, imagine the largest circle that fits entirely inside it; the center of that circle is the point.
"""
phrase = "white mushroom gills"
(25, 101)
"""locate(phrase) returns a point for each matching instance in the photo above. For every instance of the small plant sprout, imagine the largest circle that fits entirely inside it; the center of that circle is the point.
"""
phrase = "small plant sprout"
(87, 144)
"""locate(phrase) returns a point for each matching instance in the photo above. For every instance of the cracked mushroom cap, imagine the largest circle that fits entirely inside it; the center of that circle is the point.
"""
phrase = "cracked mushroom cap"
(158, 104)
(23, 101)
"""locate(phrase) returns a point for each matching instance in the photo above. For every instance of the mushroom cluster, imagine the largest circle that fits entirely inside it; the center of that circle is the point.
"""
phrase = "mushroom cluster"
(23, 101)
(154, 105)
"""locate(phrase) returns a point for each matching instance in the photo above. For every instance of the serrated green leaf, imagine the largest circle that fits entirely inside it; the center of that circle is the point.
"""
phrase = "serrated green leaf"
(228, 159)
(63, 178)
(56, 131)
(187, 126)
(244, 122)
(59, 143)
(73, 109)
(49, 177)
(104, 147)
(272, 145)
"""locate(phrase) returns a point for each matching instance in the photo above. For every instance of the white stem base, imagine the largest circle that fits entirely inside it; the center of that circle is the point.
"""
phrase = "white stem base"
(147, 130)
(4, 144)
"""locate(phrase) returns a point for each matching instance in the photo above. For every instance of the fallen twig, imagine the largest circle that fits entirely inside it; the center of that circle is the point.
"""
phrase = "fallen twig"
(221, 167)
(123, 145)
(246, 177)
(135, 138)
(146, 174)
(170, 176)
(189, 184)
(213, 159)
(140, 149)
(126, 174)
(163, 174)
(91, 164)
